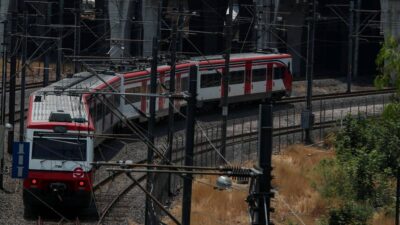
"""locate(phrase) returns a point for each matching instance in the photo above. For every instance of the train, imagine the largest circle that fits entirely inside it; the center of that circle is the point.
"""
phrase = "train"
(62, 126)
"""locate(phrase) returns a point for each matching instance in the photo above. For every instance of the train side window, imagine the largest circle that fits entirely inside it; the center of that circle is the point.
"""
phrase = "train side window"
(237, 77)
(259, 75)
(278, 72)
(184, 84)
(133, 98)
(210, 80)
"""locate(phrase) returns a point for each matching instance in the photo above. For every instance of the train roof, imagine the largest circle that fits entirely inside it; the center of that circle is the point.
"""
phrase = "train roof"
(56, 98)
(238, 56)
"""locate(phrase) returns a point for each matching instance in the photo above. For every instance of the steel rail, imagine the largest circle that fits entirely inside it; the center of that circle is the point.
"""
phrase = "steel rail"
(108, 208)
(28, 86)
(336, 95)
(104, 181)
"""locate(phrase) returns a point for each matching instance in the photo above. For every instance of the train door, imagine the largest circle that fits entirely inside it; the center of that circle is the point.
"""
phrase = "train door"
(270, 82)
(278, 75)
(236, 83)
(143, 100)
(258, 78)
(247, 80)
(184, 84)
(178, 88)
(160, 89)
(133, 99)
(210, 83)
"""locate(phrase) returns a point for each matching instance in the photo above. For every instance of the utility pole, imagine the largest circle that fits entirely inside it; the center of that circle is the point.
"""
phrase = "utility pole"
(77, 35)
(307, 115)
(271, 16)
(189, 145)
(171, 106)
(226, 78)
(13, 72)
(23, 75)
(397, 197)
(180, 28)
(151, 128)
(60, 43)
(357, 38)
(149, 220)
(46, 63)
(4, 75)
(265, 140)
(3, 104)
(350, 48)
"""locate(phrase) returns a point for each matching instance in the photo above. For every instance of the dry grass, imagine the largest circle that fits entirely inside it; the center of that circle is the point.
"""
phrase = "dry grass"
(294, 173)
(382, 219)
(293, 170)
(211, 206)
(34, 72)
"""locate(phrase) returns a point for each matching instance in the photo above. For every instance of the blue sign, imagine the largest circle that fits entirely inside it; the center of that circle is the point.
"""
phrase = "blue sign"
(20, 163)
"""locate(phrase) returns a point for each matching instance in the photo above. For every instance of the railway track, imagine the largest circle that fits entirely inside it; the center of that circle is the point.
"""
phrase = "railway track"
(107, 208)
(28, 86)
(336, 95)
(40, 221)
(232, 140)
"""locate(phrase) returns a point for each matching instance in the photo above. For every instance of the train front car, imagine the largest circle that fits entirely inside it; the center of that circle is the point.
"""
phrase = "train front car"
(60, 173)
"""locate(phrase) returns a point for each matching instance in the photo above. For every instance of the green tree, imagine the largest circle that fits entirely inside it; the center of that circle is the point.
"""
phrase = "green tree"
(388, 63)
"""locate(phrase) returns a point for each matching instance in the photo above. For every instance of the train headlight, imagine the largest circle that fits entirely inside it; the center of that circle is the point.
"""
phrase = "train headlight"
(81, 183)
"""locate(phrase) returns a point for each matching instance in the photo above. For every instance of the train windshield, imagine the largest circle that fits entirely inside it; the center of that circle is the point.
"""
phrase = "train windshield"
(59, 149)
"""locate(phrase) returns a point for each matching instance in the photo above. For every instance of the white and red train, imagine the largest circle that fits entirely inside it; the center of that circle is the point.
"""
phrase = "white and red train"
(61, 127)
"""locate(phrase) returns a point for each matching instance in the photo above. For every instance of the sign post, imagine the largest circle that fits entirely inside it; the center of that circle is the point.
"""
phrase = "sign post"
(2, 137)
(20, 162)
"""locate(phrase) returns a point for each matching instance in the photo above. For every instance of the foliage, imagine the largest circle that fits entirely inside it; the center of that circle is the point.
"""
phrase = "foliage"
(362, 174)
(350, 214)
(388, 62)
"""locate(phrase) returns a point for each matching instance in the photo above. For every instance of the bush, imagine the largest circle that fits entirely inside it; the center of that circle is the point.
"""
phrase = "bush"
(350, 214)
(360, 178)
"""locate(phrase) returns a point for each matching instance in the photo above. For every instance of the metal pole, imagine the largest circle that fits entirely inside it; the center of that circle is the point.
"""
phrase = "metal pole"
(350, 48)
(3, 104)
(225, 79)
(77, 36)
(397, 196)
(180, 28)
(265, 142)
(357, 38)
(60, 43)
(151, 127)
(4, 76)
(13, 71)
(171, 114)
(310, 69)
(190, 122)
(2, 134)
(23, 76)
(149, 220)
(256, 26)
(270, 20)
(46, 63)
(261, 18)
